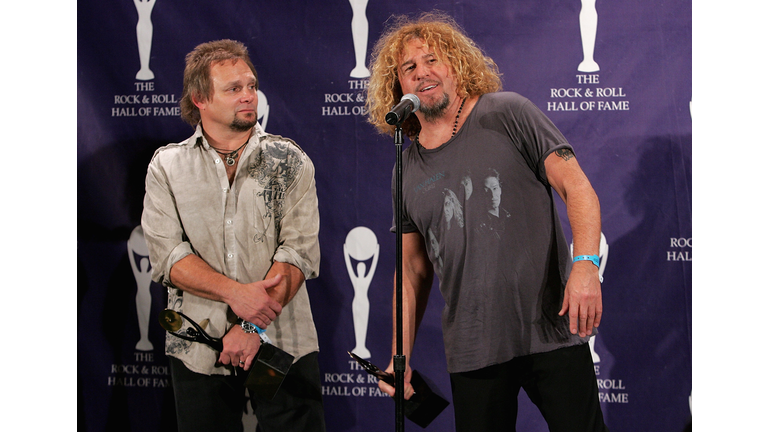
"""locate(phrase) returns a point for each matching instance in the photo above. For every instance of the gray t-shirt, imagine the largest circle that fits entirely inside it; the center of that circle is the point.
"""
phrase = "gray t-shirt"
(485, 208)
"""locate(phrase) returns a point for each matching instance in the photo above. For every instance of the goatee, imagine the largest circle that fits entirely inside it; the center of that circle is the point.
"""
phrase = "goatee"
(436, 110)
(239, 125)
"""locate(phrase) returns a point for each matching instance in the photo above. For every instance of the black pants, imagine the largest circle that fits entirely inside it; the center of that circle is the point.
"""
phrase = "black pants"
(561, 383)
(206, 403)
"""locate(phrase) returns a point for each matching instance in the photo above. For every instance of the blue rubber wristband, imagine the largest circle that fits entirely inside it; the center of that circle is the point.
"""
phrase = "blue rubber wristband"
(250, 327)
(594, 258)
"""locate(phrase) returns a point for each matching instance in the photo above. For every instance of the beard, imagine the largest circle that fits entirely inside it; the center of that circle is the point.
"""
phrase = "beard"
(242, 125)
(436, 110)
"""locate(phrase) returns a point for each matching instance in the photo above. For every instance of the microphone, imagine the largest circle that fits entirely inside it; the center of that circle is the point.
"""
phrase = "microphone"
(408, 104)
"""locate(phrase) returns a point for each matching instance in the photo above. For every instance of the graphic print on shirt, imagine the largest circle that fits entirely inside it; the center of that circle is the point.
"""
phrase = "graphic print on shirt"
(452, 209)
(450, 223)
(465, 205)
(173, 344)
(484, 214)
(434, 245)
(276, 168)
(494, 218)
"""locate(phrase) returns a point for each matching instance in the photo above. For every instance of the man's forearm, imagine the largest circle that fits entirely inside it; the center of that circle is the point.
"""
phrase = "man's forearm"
(566, 177)
(193, 275)
(417, 283)
(251, 302)
(583, 210)
(414, 305)
(292, 280)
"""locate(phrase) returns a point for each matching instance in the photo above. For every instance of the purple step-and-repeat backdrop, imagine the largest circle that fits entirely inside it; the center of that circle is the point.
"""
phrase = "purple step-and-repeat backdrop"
(614, 77)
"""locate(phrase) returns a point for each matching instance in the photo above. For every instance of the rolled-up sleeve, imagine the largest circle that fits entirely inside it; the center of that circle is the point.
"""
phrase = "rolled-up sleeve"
(298, 242)
(160, 221)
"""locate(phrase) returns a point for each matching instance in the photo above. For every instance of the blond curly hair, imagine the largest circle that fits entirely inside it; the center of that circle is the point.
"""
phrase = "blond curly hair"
(475, 73)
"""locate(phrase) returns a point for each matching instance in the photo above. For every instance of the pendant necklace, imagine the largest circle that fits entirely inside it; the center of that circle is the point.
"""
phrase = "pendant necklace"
(230, 156)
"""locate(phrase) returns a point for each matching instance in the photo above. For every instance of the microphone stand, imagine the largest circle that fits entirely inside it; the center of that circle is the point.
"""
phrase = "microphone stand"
(399, 358)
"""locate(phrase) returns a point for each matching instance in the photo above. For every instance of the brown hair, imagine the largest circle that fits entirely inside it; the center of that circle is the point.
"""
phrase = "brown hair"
(475, 73)
(197, 73)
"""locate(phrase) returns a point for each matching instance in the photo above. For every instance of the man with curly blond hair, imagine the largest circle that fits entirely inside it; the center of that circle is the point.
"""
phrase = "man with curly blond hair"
(518, 312)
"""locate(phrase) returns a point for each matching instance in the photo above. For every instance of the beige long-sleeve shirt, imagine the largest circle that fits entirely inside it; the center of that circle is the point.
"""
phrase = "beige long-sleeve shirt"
(268, 214)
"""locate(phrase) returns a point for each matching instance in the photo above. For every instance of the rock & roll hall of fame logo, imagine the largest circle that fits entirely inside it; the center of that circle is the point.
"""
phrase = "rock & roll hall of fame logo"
(138, 255)
(359, 38)
(144, 30)
(361, 254)
(588, 29)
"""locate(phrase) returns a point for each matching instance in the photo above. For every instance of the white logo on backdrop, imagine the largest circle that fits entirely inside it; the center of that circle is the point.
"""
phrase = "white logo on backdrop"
(361, 245)
(359, 38)
(262, 108)
(588, 26)
(138, 255)
(144, 37)
(603, 254)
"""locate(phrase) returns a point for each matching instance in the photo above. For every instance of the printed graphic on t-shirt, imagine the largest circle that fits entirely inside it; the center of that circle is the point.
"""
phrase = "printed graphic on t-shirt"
(276, 167)
(467, 205)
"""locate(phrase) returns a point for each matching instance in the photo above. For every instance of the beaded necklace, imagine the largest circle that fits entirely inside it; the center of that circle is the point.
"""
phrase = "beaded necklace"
(456, 122)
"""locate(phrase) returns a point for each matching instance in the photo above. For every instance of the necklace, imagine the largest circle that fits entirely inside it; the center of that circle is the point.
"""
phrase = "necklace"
(456, 122)
(230, 156)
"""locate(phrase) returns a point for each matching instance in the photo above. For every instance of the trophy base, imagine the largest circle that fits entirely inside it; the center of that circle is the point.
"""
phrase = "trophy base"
(425, 404)
(268, 370)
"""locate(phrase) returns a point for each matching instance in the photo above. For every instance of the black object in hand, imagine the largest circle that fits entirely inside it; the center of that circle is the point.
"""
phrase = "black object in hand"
(425, 404)
(268, 369)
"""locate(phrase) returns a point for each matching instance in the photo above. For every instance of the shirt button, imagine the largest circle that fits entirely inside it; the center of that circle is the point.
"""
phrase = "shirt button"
(229, 255)
(229, 222)
(217, 160)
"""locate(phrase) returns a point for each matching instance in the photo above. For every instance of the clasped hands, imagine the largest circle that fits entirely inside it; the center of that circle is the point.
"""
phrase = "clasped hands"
(252, 303)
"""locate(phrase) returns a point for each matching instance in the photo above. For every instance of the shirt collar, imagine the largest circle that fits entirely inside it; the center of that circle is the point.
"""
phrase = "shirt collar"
(199, 137)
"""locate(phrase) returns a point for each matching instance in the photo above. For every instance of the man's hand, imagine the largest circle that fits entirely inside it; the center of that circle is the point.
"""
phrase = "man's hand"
(583, 300)
(388, 389)
(240, 348)
(252, 303)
